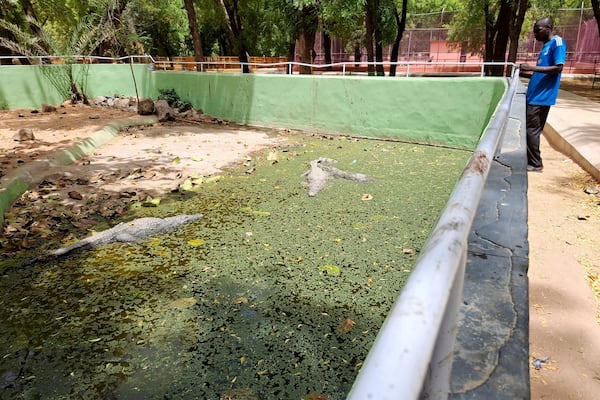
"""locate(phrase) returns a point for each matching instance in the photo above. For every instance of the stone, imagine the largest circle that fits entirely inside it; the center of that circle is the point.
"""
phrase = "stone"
(23, 135)
(163, 111)
(122, 102)
(48, 108)
(99, 100)
(145, 107)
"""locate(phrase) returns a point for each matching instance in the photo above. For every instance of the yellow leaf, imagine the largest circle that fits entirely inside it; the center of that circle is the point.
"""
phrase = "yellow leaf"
(196, 242)
(330, 269)
(197, 158)
(187, 185)
(176, 161)
(184, 302)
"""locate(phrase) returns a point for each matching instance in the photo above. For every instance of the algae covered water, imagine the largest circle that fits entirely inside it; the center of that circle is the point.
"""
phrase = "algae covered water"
(272, 295)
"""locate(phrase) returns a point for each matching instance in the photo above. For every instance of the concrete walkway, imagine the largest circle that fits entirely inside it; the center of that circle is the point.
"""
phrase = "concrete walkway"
(573, 128)
(492, 349)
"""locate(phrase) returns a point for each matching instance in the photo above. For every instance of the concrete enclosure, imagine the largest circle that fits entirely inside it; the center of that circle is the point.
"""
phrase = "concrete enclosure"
(443, 111)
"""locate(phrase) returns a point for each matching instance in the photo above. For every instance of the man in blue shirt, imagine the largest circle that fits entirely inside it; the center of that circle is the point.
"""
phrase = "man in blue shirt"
(543, 87)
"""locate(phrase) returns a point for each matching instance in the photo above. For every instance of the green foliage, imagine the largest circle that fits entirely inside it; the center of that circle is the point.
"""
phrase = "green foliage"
(173, 99)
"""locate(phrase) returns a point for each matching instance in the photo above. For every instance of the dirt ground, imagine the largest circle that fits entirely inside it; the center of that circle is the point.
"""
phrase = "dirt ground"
(564, 273)
(564, 222)
(144, 162)
(139, 165)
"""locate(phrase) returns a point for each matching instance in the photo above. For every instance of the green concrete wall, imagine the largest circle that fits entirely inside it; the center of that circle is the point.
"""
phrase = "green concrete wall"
(446, 111)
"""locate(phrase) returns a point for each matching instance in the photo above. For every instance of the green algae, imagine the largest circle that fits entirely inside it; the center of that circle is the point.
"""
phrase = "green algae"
(254, 308)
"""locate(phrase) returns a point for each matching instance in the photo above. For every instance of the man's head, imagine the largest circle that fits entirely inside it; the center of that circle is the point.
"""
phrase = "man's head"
(543, 29)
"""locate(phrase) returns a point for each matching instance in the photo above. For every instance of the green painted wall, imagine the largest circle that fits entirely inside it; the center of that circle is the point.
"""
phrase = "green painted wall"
(448, 111)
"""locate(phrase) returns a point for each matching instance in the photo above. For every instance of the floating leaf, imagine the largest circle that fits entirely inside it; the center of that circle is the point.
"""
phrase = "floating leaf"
(240, 300)
(359, 225)
(330, 269)
(261, 213)
(196, 242)
(187, 185)
(154, 242)
(197, 158)
(151, 202)
(255, 212)
(176, 161)
(184, 302)
(346, 326)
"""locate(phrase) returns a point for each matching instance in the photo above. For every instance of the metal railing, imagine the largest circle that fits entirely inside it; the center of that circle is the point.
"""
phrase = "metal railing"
(412, 354)
(342, 68)
(404, 68)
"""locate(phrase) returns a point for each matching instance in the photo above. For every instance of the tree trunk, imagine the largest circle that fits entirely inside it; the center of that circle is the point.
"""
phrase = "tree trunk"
(327, 49)
(30, 12)
(496, 37)
(307, 23)
(596, 8)
(291, 56)
(515, 30)
(5, 51)
(369, 35)
(233, 25)
(357, 55)
(401, 24)
(110, 46)
(193, 24)
(378, 37)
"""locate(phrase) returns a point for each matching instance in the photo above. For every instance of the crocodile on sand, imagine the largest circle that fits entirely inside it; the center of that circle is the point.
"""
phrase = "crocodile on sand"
(131, 231)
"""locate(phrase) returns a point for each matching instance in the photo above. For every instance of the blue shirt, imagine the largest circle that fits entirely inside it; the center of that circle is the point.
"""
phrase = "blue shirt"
(543, 88)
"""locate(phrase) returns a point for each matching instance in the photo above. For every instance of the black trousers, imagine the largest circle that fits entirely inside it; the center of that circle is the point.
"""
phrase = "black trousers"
(536, 119)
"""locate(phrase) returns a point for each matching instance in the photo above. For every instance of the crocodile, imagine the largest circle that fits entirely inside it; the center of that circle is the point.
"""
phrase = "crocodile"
(131, 231)
(320, 173)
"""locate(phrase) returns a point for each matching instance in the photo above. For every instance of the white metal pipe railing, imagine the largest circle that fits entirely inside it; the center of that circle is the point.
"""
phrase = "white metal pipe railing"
(288, 66)
(412, 354)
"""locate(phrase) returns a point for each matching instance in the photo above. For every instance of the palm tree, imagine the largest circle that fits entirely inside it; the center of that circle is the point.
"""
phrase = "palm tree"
(43, 46)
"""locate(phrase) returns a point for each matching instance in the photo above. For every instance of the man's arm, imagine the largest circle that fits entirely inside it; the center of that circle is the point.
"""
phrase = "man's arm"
(551, 70)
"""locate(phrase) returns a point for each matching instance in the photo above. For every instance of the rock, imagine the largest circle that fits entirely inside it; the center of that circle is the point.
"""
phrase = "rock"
(145, 107)
(122, 102)
(592, 190)
(100, 100)
(75, 195)
(48, 108)
(163, 110)
(24, 134)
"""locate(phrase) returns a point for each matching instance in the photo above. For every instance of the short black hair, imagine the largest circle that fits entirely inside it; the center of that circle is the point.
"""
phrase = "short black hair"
(546, 22)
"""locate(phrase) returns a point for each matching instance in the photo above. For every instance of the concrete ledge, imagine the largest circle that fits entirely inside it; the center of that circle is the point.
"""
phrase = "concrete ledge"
(573, 128)
(491, 352)
(559, 143)
(18, 182)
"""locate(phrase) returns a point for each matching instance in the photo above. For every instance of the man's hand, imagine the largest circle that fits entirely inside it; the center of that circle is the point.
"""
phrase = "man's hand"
(552, 69)
(526, 67)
